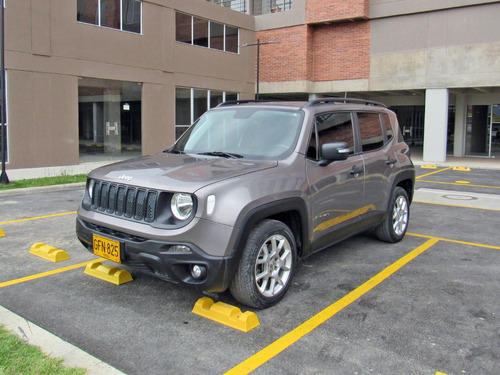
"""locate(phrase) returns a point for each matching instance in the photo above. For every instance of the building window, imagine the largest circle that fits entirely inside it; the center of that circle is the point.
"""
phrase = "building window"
(270, 6)
(116, 14)
(109, 119)
(217, 36)
(257, 7)
(238, 5)
(191, 103)
(200, 32)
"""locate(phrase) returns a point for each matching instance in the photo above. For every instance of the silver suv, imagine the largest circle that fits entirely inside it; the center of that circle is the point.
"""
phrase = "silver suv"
(248, 190)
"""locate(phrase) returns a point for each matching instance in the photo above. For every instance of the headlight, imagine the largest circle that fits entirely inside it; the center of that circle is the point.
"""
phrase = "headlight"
(91, 188)
(181, 206)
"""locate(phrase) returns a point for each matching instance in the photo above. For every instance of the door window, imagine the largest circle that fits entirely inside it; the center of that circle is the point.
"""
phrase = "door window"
(331, 127)
(372, 136)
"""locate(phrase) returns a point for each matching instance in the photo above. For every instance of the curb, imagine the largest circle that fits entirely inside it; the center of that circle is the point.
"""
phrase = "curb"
(54, 346)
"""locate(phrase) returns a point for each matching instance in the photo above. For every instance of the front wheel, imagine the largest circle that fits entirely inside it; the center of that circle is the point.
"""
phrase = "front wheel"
(266, 266)
(394, 227)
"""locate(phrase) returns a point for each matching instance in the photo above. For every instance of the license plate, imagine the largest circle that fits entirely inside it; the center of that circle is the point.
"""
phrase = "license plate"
(106, 248)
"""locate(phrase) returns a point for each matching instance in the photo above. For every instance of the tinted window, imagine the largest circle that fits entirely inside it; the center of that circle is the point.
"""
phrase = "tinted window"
(231, 39)
(372, 136)
(333, 127)
(387, 125)
(183, 28)
(216, 36)
(200, 32)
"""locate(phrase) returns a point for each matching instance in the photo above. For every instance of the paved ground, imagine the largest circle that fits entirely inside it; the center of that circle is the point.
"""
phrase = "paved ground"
(428, 304)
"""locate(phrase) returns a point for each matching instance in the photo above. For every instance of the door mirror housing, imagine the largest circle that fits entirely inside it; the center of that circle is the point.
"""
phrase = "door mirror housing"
(331, 152)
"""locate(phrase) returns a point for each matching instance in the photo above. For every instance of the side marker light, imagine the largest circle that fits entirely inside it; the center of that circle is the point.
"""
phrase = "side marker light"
(49, 253)
(228, 315)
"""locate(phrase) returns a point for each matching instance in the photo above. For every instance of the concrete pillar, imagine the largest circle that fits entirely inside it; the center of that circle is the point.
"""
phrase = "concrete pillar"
(460, 126)
(435, 125)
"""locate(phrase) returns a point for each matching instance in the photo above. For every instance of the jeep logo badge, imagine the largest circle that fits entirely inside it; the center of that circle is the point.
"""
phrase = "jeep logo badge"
(126, 178)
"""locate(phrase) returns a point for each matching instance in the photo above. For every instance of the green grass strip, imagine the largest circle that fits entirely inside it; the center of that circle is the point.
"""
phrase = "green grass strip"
(19, 358)
(44, 181)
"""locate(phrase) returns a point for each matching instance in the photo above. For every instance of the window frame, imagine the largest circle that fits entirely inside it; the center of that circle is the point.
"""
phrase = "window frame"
(316, 134)
(359, 133)
(209, 43)
(121, 15)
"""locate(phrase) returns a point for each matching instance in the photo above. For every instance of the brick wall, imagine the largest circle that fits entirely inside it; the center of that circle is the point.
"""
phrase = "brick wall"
(342, 51)
(336, 10)
(288, 60)
(317, 53)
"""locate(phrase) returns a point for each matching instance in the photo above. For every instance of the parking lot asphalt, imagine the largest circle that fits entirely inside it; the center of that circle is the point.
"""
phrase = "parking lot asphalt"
(426, 305)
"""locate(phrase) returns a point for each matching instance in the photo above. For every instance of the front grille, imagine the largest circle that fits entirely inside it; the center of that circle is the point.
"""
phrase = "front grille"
(126, 201)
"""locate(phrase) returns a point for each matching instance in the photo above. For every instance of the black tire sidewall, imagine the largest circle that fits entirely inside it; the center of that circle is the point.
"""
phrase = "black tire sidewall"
(246, 291)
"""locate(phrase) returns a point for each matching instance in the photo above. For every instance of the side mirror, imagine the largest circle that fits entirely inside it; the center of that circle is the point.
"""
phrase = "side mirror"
(331, 152)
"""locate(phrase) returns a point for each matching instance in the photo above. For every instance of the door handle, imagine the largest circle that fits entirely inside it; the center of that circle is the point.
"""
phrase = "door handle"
(356, 170)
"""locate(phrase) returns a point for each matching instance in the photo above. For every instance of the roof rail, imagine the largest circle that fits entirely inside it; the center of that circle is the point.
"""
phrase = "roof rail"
(314, 102)
(236, 102)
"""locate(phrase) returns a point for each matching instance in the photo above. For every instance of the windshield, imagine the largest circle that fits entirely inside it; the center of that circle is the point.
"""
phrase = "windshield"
(252, 133)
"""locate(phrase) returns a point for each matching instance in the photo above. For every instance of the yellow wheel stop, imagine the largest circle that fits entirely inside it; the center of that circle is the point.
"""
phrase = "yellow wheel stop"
(108, 273)
(2, 233)
(228, 315)
(462, 169)
(49, 253)
(428, 166)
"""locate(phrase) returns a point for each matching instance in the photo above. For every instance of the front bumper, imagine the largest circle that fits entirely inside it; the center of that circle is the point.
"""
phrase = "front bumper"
(158, 259)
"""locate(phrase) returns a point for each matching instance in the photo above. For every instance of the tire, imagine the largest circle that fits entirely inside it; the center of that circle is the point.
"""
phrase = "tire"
(264, 274)
(394, 227)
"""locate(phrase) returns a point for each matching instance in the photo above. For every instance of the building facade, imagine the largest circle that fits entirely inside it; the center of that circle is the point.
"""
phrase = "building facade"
(111, 79)
(435, 62)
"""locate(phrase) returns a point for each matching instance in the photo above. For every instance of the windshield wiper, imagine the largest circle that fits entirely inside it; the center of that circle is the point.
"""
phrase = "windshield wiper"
(173, 151)
(222, 154)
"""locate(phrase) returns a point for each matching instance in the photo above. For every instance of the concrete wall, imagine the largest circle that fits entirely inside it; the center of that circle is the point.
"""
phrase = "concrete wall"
(47, 50)
(456, 47)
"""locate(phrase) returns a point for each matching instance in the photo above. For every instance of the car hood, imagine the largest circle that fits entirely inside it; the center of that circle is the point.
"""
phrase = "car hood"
(174, 172)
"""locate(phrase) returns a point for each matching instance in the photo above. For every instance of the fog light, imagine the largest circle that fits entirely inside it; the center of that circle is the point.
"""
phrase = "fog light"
(198, 271)
(180, 249)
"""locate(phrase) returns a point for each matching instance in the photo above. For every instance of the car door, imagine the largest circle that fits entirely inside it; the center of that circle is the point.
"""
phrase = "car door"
(336, 190)
(379, 161)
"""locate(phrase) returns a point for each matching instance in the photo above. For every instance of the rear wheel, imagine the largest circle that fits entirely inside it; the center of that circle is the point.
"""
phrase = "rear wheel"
(266, 267)
(394, 227)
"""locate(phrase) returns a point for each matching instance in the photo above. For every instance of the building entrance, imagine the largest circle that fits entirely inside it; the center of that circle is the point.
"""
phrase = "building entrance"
(483, 126)
(109, 119)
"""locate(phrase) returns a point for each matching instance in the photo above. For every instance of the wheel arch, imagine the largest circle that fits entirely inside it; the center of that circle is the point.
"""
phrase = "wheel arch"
(290, 211)
(406, 180)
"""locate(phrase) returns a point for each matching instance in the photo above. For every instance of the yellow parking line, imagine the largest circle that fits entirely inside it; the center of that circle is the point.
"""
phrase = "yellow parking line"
(454, 241)
(460, 184)
(456, 205)
(293, 336)
(44, 274)
(38, 217)
(428, 174)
